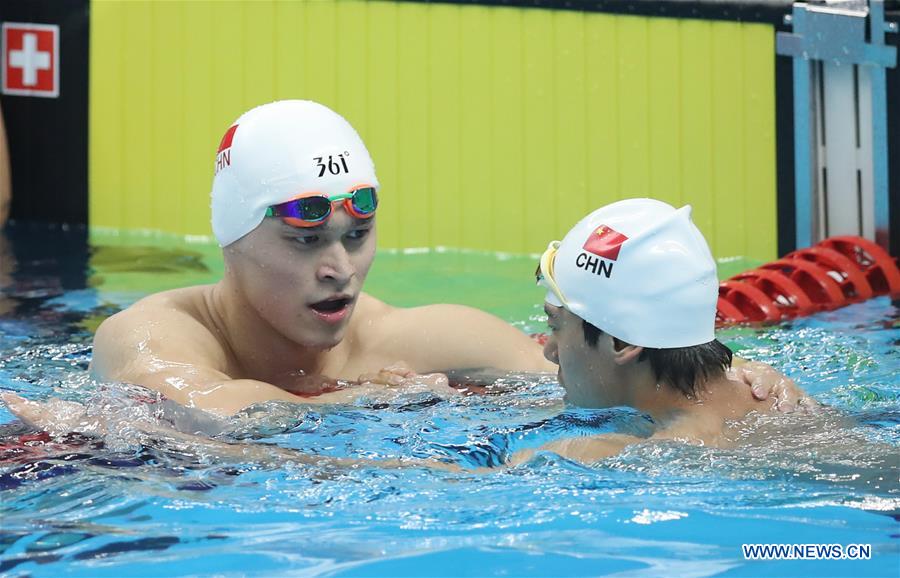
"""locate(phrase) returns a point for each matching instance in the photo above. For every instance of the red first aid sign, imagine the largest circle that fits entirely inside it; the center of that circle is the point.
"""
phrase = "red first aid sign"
(30, 59)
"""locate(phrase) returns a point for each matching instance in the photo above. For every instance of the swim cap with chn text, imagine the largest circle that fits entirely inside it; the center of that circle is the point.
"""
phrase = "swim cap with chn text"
(278, 151)
(641, 271)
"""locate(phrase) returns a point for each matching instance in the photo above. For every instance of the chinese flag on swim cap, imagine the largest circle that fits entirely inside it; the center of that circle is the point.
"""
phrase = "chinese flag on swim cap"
(605, 242)
(226, 140)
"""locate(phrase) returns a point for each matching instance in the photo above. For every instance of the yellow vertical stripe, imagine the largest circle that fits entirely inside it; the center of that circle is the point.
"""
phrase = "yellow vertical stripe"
(319, 62)
(287, 60)
(259, 45)
(105, 177)
(199, 128)
(475, 124)
(349, 61)
(413, 127)
(664, 110)
(729, 193)
(601, 115)
(539, 156)
(634, 105)
(760, 205)
(570, 189)
(138, 165)
(383, 113)
(446, 171)
(166, 84)
(696, 137)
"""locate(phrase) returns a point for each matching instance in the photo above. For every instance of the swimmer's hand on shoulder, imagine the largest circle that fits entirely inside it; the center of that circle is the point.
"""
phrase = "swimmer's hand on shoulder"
(767, 383)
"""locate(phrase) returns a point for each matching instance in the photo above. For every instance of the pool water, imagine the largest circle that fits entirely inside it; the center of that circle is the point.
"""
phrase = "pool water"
(132, 504)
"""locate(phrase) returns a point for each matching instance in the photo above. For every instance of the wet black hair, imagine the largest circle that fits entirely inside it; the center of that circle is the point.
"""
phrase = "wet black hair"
(681, 367)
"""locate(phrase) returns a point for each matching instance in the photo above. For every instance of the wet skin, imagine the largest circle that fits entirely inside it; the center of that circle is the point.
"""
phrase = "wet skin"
(289, 310)
(223, 347)
(611, 374)
(289, 317)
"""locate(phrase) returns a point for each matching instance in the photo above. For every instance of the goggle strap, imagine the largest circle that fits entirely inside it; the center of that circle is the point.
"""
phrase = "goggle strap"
(546, 271)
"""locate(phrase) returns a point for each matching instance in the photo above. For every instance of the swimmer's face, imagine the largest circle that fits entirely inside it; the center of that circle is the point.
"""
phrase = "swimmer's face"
(587, 373)
(304, 281)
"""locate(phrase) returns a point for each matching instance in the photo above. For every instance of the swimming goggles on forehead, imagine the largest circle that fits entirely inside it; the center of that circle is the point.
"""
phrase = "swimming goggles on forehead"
(313, 209)
(543, 275)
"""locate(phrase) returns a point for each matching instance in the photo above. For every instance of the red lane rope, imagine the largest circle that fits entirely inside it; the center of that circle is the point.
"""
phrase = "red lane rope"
(753, 303)
(879, 268)
(815, 283)
(834, 273)
(851, 280)
(781, 289)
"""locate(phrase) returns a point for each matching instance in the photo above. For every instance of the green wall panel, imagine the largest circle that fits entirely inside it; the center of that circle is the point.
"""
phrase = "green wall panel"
(491, 128)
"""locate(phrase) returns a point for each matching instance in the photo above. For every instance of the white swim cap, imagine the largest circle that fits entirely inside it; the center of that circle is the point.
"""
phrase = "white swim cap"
(277, 151)
(639, 270)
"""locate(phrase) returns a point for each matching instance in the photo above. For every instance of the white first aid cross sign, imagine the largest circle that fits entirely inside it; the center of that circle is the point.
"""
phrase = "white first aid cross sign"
(30, 59)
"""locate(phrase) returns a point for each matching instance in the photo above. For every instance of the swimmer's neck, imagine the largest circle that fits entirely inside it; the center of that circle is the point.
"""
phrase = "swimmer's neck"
(716, 400)
(254, 346)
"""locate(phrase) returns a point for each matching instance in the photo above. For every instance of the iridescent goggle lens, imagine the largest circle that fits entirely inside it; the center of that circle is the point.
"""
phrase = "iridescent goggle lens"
(312, 209)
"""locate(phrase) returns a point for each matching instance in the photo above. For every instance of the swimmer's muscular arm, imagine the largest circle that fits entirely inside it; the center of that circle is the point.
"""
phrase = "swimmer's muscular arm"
(446, 337)
(164, 348)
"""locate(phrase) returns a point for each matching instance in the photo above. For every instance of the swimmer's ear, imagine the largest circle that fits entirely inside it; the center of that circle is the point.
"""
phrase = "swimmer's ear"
(624, 353)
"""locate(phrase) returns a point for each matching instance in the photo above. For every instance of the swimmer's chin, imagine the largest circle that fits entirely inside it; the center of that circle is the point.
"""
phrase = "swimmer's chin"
(324, 338)
(323, 341)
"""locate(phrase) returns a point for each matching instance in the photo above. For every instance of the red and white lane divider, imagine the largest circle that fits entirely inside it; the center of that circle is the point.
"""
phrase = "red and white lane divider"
(834, 273)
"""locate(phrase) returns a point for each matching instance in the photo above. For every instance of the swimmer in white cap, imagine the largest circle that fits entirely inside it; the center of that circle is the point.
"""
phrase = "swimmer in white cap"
(294, 204)
(631, 305)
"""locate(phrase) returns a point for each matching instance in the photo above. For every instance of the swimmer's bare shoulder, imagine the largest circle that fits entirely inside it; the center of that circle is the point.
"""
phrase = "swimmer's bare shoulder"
(167, 328)
(444, 337)
(167, 342)
(155, 328)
